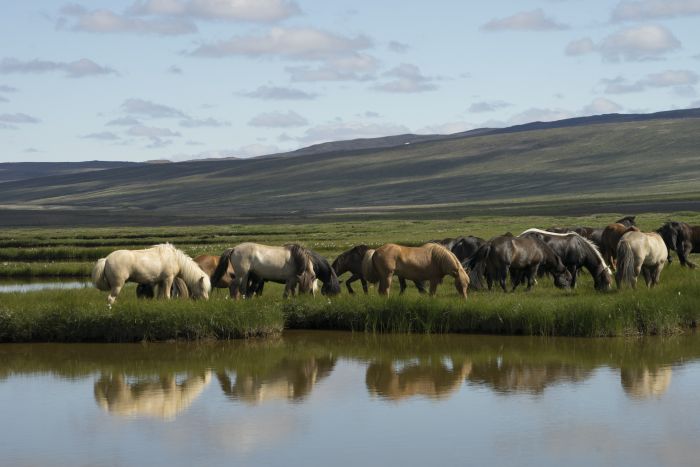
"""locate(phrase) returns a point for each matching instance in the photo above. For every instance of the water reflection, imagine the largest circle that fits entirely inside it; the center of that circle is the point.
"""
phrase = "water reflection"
(37, 286)
(518, 375)
(433, 378)
(645, 383)
(161, 396)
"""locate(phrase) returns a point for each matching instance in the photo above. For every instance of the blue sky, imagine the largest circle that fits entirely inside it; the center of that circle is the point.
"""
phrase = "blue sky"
(184, 79)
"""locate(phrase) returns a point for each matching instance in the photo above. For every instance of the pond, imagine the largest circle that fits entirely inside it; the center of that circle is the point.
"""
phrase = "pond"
(321, 398)
(34, 286)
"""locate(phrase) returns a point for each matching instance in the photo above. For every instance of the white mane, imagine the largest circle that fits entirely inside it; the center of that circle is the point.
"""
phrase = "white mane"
(190, 271)
(570, 234)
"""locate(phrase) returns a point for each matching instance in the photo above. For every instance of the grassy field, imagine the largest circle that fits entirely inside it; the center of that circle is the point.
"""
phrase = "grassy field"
(82, 315)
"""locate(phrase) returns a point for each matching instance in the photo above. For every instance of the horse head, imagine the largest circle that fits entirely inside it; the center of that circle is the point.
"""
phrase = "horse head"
(603, 280)
(202, 288)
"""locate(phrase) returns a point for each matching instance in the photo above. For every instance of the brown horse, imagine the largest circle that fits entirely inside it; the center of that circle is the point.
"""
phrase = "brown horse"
(429, 262)
(610, 238)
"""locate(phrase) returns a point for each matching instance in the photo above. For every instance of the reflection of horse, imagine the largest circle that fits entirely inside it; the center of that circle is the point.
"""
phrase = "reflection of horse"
(160, 397)
(429, 262)
(351, 261)
(291, 264)
(433, 379)
(642, 383)
(681, 238)
(324, 272)
(609, 240)
(522, 257)
(640, 252)
(290, 379)
(576, 252)
(516, 375)
(156, 265)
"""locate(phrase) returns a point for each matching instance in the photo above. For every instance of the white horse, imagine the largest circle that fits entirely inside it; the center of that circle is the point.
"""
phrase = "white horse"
(290, 264)
(643, 252)
(158, 265)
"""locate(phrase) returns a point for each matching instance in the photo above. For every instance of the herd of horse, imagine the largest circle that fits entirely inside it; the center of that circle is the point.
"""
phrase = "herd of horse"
(561, 253)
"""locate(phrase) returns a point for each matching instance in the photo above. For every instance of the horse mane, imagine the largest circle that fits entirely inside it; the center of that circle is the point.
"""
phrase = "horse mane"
(444, 256)
(580, 238)
(300, 255)
(190, 271)
(325, 273)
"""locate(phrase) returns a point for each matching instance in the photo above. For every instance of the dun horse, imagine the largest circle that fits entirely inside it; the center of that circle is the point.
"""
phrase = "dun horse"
(429, 262)
(643, 252)
(351, 261)
(291, 264)
(159, 265)
(324, 272)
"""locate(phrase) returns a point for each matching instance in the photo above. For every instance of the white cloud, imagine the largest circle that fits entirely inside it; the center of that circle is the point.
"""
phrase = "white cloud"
(398, 47)
(340, 130)
(235, 10)
(279, 93)
(290, 43)
(8, 121)
(151, 109)
(536, 114)
(104, 136)
(124, 121)
(487, 106)
(203, 122)
(682, 82)
(106, 21)
(409, 79)
(7, 89)
(601, 105)
(637, 43)
(151, 132)
(76, 69)
(620, 85)
(671, 78)
(278, 120)
(654, 9)
(534, 20)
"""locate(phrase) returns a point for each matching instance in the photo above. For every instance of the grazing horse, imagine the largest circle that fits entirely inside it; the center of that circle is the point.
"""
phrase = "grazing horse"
(595, 234)
(429, 262)
(681, 238)
(206, 263)
(522, 257)
(462, 247)
(576, 252)
(351, 261)
(291, 264)
(610, 238)
(638, 252)
(324, 272)
(156, 265)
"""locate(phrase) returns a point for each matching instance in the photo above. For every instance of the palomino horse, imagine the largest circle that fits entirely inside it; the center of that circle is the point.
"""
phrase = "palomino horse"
(522, 257)
(681, 238)
(291, 264)
(156, 265)
(610, 238)
(324, 273)
(351, 261)
(576, 252)
(638, 252)
(429, 262)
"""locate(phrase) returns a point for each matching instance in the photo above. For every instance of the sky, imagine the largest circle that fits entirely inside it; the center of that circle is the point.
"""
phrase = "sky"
(141, 80)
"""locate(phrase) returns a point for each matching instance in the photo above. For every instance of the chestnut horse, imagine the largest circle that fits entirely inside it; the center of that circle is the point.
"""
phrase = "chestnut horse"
(429, 262)
(609, 240)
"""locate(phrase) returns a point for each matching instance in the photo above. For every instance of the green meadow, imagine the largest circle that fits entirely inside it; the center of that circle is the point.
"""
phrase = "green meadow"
(82, 314)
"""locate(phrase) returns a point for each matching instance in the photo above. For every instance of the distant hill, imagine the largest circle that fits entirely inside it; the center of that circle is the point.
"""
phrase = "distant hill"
(607, 163)
(23, 170)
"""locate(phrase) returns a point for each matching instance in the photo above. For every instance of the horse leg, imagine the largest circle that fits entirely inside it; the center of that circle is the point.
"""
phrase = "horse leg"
(574, 275)
(385, 284)
(243, 284)
(420, 286)
(531, 275)
(364, 286)
(402, 285)
(515, 279)
(353, 278)
(166, 286)
(502, 279)
(113, 294)
(647, 275)
(657, 274)
(433, 286)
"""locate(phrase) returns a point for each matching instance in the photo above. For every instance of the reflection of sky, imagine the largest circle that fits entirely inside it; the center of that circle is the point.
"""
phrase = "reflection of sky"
(50, 421)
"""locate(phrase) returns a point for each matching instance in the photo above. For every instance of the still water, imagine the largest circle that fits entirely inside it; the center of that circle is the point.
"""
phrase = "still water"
(325, 398)
(31, 286)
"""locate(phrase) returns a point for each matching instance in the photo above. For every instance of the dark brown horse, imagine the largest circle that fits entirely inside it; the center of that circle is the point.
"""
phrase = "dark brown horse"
(351, 261)
(592, 233)
(522, 257)
(462, 247)
(682, 238)
(609, 240)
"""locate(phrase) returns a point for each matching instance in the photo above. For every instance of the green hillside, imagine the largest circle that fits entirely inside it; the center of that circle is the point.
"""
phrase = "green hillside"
(651, 165)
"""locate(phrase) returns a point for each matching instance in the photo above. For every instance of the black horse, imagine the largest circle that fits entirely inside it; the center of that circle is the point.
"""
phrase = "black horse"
(351, 261)
(462, 247)
(522, 257)
(592, 233)
(324, 272)
(682, 238)
(576, 252)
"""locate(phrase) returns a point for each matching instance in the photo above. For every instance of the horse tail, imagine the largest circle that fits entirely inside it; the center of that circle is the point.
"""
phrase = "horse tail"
(301, 257)
(369, 269)
(99, 278)
(625, 264)
(476, 265)
(181, 287)
(224, 260)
